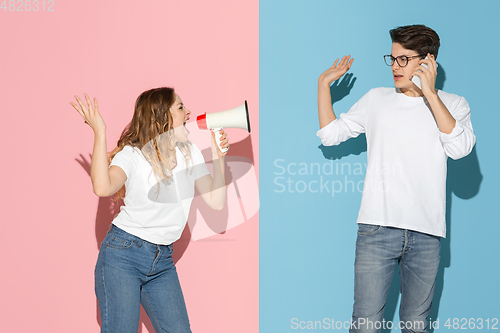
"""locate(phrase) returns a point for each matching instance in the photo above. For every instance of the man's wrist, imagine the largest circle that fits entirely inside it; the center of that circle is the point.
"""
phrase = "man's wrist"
(433, 95)
(323, 82)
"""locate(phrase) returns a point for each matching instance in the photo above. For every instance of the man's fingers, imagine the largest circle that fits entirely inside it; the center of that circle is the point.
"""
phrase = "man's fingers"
(345, 63)
(350, 63)
(417, 73)
(345, 60)
(342, 61)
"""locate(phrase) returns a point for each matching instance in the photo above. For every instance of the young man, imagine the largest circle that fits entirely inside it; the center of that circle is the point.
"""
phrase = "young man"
(410, 133)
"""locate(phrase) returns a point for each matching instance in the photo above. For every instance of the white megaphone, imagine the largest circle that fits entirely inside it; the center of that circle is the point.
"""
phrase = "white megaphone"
(234, 118)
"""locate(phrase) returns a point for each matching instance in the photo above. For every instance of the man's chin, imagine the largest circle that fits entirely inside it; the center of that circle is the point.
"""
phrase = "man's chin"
(403, 86)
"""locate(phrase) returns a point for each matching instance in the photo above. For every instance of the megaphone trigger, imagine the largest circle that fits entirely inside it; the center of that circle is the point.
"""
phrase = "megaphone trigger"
(218, 139)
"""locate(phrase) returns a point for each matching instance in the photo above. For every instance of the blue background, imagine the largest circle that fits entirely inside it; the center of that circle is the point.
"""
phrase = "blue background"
(307, 237)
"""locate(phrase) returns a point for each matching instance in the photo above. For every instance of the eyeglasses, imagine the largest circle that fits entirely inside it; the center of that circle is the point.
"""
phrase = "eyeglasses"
(401, 60)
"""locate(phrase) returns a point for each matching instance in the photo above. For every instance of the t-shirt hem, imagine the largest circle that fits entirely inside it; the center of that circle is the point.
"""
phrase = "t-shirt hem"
(399, 226)
(133, 232)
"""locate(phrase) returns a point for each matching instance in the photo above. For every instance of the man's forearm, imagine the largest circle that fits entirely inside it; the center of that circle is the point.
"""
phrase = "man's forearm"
(325, 109)
(444, 119)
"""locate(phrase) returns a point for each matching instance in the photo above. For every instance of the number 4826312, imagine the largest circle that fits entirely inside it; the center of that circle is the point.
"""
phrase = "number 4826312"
(27, 5)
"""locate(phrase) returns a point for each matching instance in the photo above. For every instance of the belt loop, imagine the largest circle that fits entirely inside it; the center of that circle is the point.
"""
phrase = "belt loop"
(139, 243)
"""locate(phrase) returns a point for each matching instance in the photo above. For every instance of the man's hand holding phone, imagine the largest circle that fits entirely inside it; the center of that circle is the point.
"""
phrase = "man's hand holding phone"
(424, 76)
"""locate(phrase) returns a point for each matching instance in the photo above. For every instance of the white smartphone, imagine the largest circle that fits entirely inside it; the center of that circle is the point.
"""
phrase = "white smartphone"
(416, 79)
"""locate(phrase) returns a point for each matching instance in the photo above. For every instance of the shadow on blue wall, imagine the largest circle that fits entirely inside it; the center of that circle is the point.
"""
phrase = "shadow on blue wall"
(464, 179)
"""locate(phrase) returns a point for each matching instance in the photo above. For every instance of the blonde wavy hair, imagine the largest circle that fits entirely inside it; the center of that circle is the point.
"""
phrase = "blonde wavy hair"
(151, 131)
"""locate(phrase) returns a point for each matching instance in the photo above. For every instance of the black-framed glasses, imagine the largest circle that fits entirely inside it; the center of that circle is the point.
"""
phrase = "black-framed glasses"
(401, 60)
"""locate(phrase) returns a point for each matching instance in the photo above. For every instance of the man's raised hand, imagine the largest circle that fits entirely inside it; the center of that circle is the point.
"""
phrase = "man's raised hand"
(337, 70)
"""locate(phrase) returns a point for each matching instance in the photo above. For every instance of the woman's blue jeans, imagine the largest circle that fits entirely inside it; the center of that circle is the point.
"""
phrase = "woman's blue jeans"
(378, 249)
(131, 271)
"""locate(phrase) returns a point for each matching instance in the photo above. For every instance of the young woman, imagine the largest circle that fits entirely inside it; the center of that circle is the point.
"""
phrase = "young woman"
(157, 168)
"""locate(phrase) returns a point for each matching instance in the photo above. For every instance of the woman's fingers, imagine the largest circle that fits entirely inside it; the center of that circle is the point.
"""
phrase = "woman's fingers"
(224, 141)
(89, 112)
(77, 108)
(82, 105)
(87, 99)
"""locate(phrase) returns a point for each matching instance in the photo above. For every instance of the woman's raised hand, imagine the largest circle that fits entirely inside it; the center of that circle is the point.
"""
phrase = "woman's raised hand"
(337, 70)
(90, 113)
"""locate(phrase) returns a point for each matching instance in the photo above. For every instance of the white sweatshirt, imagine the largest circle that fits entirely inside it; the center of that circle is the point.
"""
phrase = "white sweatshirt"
(405, 184)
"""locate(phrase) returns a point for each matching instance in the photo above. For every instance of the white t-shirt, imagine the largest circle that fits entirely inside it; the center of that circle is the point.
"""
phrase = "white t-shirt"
(405, 184)
(157, 211)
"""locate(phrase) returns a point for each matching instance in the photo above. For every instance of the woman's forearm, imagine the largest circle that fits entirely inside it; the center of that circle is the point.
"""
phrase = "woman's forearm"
(218, 189)
(99, 172)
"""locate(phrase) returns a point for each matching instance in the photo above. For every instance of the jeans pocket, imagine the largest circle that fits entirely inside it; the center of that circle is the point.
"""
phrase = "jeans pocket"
(119, 242)
(368, 229)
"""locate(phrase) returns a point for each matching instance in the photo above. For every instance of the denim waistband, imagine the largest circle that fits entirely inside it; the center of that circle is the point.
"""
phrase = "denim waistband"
(139, 241)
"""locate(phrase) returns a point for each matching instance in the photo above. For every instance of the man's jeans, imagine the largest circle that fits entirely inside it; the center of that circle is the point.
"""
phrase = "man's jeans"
(378, 249)
(130, 272)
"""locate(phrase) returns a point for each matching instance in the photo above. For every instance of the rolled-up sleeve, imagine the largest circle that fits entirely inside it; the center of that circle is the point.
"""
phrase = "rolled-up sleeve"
(347, 125)
(461, 140)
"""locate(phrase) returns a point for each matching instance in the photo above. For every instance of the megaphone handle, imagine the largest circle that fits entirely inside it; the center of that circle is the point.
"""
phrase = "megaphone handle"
(217, 139)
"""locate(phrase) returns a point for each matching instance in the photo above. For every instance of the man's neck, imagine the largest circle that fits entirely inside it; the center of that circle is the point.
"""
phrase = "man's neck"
(412, 92)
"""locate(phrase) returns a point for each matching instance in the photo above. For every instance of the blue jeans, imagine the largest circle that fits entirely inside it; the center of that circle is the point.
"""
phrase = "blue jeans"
(378, 249)
(131, 271)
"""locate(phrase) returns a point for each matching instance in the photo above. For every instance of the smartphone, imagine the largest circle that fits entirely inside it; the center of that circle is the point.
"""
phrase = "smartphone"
(416, 79)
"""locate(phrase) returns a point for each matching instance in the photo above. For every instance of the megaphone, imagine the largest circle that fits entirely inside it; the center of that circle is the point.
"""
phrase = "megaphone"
(233, 118)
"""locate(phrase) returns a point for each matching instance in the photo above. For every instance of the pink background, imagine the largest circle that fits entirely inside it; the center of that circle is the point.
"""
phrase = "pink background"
(52, 223)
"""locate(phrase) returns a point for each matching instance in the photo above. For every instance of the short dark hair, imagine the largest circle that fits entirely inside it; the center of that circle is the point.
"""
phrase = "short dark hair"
(416, 37)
